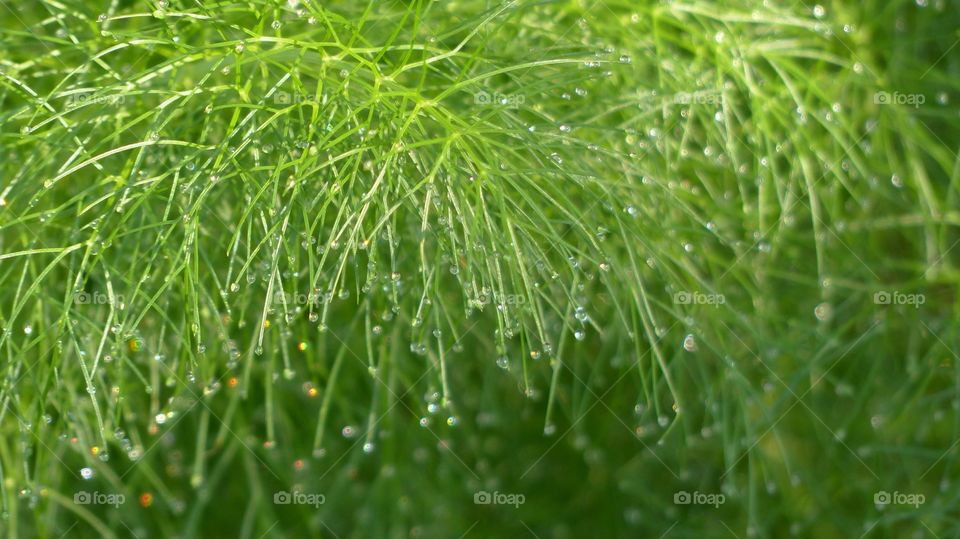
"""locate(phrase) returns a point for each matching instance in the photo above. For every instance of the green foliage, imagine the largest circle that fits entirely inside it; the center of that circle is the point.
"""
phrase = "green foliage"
(393, 255)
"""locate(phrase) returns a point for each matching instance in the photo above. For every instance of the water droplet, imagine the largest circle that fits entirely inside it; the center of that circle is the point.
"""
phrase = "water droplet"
(348, 432)
(503, 362)
(275, 25)
(86, 473)
(579, 334)
(368, 447)
(823, 311)
(819, 11)
(625, 59)
(690, 343)
(452, 421)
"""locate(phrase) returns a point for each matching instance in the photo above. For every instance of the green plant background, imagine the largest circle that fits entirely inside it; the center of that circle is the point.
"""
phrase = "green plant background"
(595, 253)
